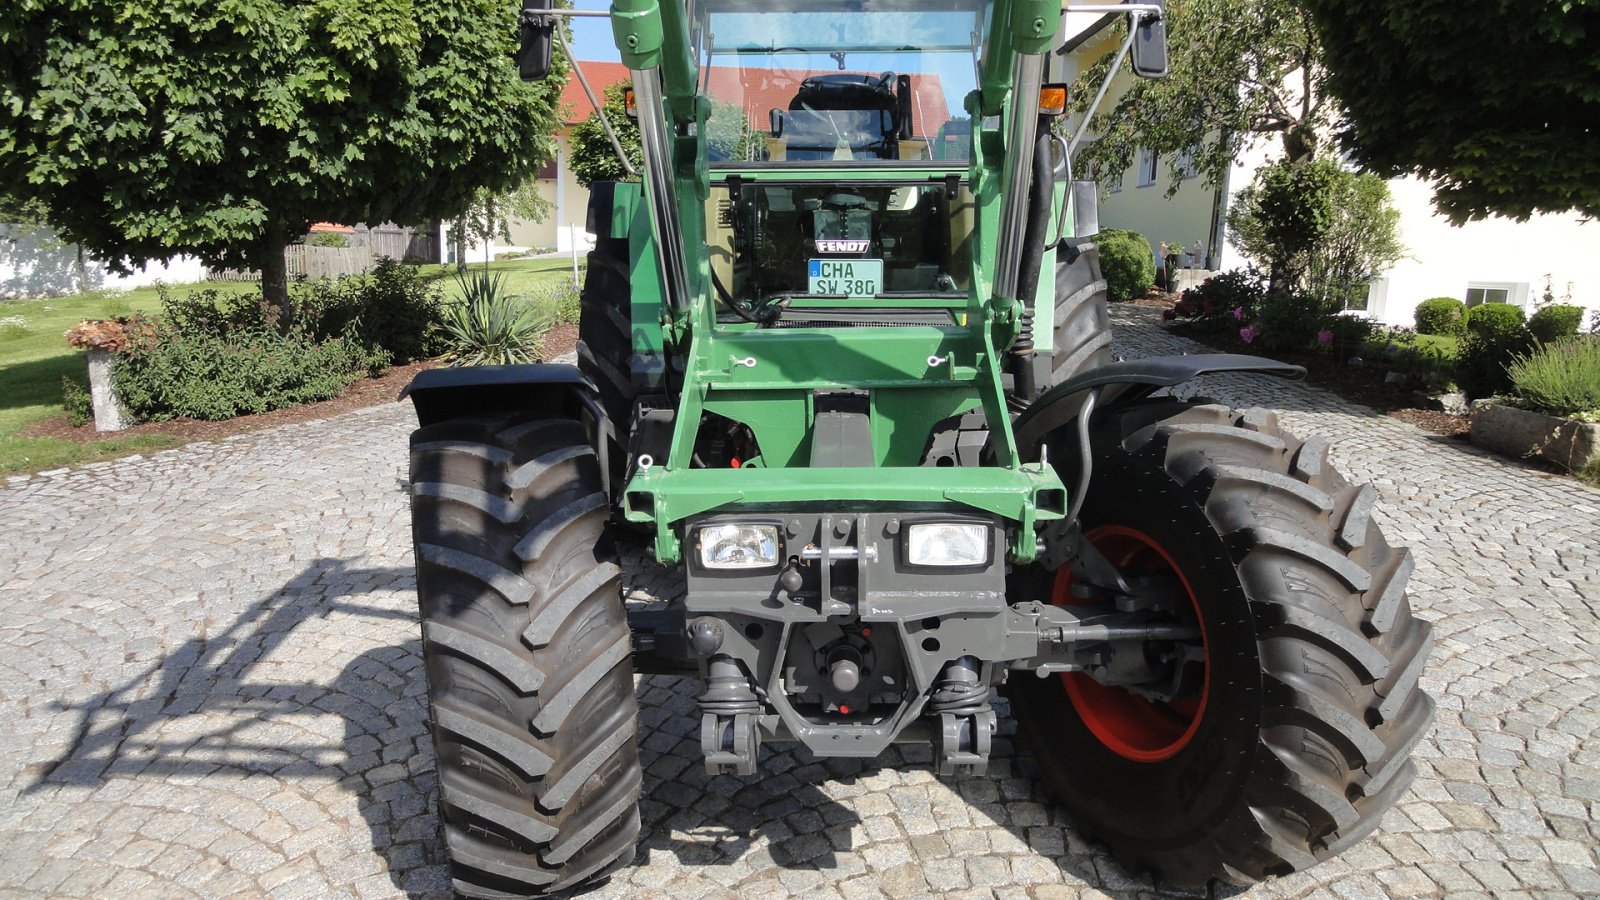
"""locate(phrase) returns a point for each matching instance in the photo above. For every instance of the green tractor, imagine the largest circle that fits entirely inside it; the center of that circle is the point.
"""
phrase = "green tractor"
(822, 374)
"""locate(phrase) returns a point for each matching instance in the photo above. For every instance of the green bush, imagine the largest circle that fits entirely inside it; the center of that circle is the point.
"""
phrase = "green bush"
(561, 304)
(1127, 264)
(251, 370)
(490, 327)
(1211, 305)
(328, 239)
(1553, 323)
(391, 309)
(1350, 329)
(1495, 335)
(216, 313)
(1441, 315)
(1559, 379)
(76, 402)
(1287, 322)
(1495, 319)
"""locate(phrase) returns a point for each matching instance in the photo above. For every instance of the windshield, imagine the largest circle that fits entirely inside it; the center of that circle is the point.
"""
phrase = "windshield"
(867, 81)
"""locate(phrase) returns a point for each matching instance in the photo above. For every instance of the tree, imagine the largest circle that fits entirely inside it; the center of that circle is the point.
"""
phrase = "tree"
(224, 128)
(1496, 103)
(590, 152)
(728, 136)
(1323, 231)
(1240, 70)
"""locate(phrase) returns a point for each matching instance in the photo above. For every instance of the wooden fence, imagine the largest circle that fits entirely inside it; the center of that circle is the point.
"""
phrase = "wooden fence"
(368, 245)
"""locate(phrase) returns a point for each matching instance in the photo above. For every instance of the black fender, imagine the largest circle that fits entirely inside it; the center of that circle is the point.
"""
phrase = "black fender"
(1128, 382)
(450, 393)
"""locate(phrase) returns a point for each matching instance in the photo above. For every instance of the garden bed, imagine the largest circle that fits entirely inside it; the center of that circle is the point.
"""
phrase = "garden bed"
(1366, 384)
(359, 395)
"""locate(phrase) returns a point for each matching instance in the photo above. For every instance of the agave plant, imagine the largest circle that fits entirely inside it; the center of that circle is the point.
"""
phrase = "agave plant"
(491, 327)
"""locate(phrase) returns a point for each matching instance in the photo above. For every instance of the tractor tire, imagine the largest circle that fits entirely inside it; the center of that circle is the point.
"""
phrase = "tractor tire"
(526, 647)
(605, 331)
(1298, 739)
(1082, 336)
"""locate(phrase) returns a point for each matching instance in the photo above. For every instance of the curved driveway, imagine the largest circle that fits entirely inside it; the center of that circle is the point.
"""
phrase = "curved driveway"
(210, 686)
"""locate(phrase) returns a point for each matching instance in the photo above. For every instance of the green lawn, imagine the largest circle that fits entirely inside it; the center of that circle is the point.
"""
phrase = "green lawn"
(34, 357)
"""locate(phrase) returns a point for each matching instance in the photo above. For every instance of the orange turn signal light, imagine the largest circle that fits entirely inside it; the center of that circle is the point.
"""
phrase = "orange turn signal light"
(1052, 99)
(629, 104)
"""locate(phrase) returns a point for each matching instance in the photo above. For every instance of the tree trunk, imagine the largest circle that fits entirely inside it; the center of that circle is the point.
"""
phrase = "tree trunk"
(458, 236)
(274, 272)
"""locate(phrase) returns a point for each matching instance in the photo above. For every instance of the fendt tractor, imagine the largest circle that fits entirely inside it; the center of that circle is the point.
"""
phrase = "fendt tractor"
(821, 375)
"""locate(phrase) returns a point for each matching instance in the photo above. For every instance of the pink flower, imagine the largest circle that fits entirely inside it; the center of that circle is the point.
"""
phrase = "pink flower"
(1238, 314)
(1324, 337)
(1247, 333)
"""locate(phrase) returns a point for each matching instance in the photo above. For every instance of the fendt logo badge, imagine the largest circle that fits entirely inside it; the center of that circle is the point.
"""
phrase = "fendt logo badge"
(827, 246)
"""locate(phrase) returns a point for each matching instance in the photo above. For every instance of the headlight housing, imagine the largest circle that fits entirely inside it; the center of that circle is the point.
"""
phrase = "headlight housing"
(947, 544)
(739, 546)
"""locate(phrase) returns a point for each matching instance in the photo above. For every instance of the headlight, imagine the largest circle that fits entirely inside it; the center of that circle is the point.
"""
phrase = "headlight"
(739, 546)
(947, 544)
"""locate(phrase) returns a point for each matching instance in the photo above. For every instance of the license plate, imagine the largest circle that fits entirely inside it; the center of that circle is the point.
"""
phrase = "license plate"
(850, 277)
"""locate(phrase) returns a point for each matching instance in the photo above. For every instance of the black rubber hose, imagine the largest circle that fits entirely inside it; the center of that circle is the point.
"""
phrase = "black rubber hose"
(1039, 196)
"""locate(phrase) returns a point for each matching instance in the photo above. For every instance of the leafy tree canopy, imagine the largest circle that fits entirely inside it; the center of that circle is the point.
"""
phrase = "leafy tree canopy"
(591, 155)
(1323, 231)
(224, 127)
(1497, 103)
(1240, 70)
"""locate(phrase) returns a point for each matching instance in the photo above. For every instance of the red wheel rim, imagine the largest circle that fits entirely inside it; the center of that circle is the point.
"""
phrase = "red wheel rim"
(1129, 725)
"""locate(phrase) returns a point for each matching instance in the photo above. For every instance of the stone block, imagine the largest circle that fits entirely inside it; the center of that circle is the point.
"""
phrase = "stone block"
(1520, 432)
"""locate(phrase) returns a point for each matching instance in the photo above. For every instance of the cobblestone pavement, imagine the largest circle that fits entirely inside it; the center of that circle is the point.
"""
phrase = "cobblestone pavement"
(211, 686)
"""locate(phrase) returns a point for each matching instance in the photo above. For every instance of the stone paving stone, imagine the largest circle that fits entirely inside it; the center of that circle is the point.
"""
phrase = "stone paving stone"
(211, 686)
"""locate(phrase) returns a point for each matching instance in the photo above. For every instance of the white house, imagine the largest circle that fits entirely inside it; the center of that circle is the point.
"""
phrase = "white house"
(1493, 260)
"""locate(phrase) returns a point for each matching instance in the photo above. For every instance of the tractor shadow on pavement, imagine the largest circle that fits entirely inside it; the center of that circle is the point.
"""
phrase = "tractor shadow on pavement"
(243, 704)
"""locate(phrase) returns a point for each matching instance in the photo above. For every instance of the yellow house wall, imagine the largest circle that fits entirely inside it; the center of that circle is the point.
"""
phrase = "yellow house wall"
(1186, 216)
(569, 213)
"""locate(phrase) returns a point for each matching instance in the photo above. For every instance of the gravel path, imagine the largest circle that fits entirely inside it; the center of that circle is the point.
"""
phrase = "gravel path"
(211, 686)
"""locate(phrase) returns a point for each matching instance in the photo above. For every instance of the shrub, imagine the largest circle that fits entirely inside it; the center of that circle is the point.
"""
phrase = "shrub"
(1441, 315)
(561, 304)
(1495, 319)
(75, 400)
(391, 309)
(1351, 329)
(491, 327)
(1559, 379)
(1218, 296)
(1495, 334)
(215, 312)
(252, 370)
(1288, 321)
(1553, 323)
(1126, 263)
(328, 239)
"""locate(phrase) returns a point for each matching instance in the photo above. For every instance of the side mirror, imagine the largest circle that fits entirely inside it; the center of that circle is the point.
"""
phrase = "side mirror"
(533, 54)
(775, 122)
(1150, 42)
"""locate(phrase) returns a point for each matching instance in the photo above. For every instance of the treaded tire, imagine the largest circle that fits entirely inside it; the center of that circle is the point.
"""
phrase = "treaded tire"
(527, 651)
(1082, 336)
(605, 331)
(1311, 705)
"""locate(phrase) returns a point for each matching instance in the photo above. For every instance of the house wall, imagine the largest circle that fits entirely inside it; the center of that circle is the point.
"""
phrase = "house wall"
(35, 263)
(567, 220)
(1184, 218)
(1443, 260)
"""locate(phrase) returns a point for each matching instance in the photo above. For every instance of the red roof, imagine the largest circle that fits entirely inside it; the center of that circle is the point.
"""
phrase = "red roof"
(760, 90)
(576, 106)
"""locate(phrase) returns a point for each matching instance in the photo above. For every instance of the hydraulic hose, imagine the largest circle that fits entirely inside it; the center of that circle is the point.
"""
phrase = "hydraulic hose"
(1039, 196)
